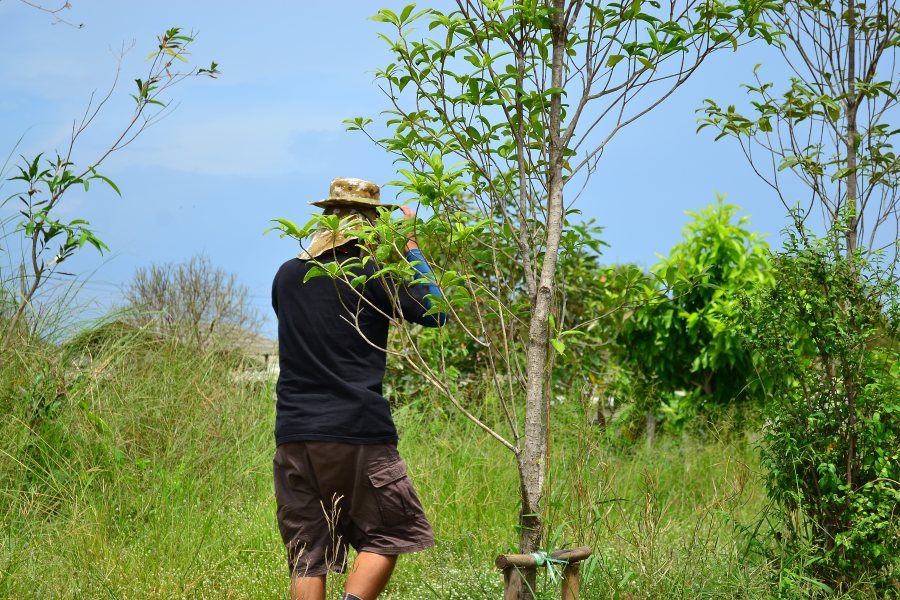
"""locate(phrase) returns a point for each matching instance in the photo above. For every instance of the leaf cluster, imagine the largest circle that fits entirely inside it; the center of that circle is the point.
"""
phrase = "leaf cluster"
(683, 332)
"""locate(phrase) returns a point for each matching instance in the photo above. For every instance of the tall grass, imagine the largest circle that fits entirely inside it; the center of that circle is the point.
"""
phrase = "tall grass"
(148, 478)
(132, 467)
(664, 522)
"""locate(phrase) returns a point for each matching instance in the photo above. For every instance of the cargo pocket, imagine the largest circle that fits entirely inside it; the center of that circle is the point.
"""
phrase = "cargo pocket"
(392, 490)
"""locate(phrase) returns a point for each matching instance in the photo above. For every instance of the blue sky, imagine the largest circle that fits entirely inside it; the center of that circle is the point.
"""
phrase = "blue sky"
(266, 137)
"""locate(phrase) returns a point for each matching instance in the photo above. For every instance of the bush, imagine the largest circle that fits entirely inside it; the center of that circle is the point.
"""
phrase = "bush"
(194, 302)
(681, 337)
(826, 334)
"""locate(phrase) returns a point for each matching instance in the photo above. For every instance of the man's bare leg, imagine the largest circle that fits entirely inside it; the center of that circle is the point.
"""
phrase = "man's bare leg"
(308, 588)
(369, 575)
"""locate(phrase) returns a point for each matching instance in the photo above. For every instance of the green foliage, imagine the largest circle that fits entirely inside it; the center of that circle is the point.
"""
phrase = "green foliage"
(595, 302)
(158, 459)
(826, 333)
(123, 453)
(683, 334)
(471, 117)
(469, 127)
(42, 185)
(592, 301)
(492, 116)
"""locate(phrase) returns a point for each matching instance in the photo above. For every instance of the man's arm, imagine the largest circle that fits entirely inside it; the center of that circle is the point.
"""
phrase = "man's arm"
(426, 288)
(415, 303)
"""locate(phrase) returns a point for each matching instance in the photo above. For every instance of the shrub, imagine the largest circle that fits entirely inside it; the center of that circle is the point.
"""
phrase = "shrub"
(194, 302)
(681, 336)
(826, 334)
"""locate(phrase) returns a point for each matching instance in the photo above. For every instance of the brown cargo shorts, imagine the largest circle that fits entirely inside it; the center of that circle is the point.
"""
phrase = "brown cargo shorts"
(332, 494)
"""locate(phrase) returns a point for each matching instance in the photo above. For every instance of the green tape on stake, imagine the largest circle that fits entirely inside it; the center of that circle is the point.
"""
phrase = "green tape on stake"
(543, 559)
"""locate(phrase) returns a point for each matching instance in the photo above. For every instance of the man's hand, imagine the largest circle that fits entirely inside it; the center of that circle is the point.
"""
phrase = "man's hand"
(409, 215)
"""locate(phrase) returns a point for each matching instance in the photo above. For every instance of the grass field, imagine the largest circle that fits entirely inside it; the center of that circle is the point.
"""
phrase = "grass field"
(146, 473)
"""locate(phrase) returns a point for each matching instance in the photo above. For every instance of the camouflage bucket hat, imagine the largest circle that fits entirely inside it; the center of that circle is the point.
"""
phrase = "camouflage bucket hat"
(344, 193)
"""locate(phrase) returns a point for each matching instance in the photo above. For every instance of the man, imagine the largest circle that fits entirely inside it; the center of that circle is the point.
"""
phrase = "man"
(338, 477)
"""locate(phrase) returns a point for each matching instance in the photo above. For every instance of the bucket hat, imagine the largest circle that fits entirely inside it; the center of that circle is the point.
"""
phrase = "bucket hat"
(348, 193)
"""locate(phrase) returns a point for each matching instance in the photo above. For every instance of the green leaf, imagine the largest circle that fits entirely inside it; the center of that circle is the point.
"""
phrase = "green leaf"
(558, 345)
(107, 181)
(286, 227)
(407, 10)
(671, 273)
(314, 271)
(614, 60)
(385, 16)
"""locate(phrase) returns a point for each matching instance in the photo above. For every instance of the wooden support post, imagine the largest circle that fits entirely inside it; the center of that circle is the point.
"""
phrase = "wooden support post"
(516, 580)
(519, 571)
(513, 582)
(571, 585)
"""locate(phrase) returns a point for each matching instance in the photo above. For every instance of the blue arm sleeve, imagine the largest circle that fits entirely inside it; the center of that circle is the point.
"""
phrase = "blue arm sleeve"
(419, 263)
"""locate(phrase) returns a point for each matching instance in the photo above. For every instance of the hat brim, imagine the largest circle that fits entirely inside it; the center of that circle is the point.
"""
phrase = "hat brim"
(325, 241)
(352, 203)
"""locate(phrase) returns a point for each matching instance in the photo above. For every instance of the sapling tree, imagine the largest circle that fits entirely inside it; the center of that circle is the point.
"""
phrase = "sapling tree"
(830, 127)
(500, 111)
(683, 335)
(47, 238)
(835, 295)
(826, 334)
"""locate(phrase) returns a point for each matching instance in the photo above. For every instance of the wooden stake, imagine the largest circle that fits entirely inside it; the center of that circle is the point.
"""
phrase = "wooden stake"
(571, 585)
(520, 569)
(516, 580)
(511, 584)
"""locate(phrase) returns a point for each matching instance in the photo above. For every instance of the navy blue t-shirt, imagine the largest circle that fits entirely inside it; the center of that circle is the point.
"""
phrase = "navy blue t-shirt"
(331, 340)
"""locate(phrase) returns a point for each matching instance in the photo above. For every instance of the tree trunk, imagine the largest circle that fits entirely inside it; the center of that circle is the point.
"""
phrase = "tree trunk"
(852, 108)
(650, 431)
(533, 457)
(852, 226)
